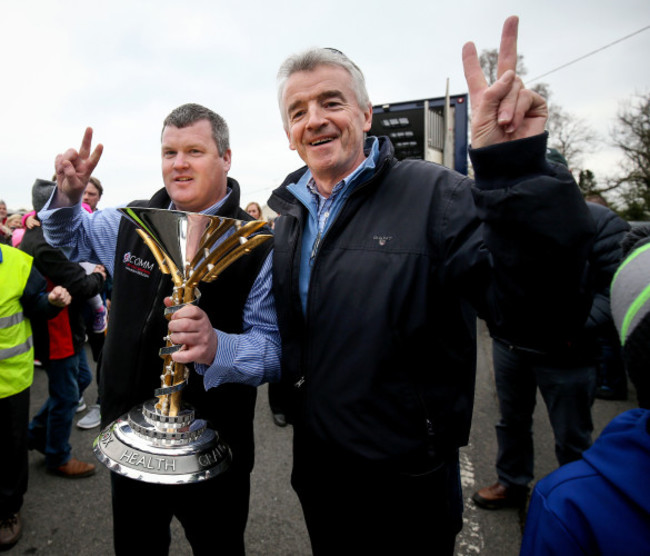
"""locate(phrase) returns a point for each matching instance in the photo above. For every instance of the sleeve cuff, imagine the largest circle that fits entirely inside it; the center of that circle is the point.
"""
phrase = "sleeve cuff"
(224, 359)
(501, 165)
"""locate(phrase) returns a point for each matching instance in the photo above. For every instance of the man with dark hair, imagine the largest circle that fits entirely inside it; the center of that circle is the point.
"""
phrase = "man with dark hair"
(381, 265)
(188, 114)
(93, 193)
(230, 339)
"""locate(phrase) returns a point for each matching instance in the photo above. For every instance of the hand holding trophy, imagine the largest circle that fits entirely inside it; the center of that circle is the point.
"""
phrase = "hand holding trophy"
(160, 441)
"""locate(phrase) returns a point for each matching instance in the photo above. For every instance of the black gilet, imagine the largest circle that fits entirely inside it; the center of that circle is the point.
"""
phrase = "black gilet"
(130, 365)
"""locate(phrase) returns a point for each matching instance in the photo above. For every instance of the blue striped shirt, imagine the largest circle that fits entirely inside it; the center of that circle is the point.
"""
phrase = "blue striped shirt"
(323, 210)
(252, 357)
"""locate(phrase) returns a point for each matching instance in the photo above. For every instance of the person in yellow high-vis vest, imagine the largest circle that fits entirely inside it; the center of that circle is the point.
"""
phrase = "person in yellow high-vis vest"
(22, 296)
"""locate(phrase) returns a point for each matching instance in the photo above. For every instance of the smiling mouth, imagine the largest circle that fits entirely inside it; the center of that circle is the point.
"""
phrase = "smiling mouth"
(321, 141)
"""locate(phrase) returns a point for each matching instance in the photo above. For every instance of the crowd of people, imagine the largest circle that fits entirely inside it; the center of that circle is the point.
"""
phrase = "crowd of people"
(376, 265)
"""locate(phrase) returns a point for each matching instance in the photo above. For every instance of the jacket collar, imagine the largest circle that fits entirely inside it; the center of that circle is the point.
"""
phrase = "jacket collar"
(282, 200)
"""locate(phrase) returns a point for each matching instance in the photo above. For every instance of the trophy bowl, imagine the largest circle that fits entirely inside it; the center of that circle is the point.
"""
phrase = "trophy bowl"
(161, 441)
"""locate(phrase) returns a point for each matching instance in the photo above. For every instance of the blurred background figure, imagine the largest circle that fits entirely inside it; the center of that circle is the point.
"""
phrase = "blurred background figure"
(95, 311)
(22, 297)
(566, 377)
(254, 210)
(612, 379)
(601, 503)
(15, 224)
(93, 193)
(60, 343)
(5, 232)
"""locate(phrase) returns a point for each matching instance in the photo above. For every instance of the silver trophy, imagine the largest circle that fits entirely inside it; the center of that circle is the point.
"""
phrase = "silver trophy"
(161, 441)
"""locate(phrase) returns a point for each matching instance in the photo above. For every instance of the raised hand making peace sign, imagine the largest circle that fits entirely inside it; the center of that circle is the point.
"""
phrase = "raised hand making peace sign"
(74, 168)
(505, 110)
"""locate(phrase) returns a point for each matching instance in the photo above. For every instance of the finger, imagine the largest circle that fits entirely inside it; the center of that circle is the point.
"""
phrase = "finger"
(498, 91)
(58, 168)
(94, 158)
(184, 356)
(474, 76)
(86, 142)
(530, 106)
(508, 48)
(189, 311)
(69, 172)
(508, 105)
(70, 155)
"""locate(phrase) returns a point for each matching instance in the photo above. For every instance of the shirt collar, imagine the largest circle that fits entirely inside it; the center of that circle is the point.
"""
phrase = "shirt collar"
(210, 211)
(307, 184)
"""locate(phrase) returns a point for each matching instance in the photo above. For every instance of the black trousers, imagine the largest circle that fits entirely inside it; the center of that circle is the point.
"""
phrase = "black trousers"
(14, 418)
(354, 508)
(213, 514)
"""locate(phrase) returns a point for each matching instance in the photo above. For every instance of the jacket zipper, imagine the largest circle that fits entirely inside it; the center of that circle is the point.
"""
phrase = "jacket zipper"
(317, 243)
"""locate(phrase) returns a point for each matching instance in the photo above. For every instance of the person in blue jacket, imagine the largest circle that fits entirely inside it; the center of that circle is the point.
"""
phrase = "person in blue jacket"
(601, 503)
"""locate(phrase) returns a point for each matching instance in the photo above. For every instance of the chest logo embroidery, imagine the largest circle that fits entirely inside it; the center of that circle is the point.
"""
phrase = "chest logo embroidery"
(382, 240)
(137, 265)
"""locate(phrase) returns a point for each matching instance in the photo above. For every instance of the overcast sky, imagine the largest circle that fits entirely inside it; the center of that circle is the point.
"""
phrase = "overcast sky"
(122, 66)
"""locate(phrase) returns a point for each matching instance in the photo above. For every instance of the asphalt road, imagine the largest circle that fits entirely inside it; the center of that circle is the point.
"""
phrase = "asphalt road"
(63, 517)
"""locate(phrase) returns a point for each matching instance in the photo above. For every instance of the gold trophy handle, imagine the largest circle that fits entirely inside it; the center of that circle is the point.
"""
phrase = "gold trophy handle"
(207, 262)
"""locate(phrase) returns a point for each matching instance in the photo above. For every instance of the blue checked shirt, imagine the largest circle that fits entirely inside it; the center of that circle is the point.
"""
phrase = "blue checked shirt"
(252, 357)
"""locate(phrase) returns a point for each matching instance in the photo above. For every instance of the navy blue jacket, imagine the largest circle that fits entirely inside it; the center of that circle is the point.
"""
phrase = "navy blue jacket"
(384, 359)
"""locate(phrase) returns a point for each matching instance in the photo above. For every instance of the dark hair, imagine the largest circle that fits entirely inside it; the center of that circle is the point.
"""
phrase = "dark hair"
(635, 238)
(188, 114)
(97, 184)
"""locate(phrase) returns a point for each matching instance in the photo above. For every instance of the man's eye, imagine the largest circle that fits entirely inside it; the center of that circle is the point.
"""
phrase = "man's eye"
(168, 154)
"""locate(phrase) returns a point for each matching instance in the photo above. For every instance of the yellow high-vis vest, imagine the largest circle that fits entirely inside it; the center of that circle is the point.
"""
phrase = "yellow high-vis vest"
(16, 343)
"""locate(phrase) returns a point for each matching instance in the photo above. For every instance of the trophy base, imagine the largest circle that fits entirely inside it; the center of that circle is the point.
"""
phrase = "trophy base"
(146, 446)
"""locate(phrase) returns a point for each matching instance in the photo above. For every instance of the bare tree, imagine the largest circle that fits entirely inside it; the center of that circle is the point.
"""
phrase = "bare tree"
(570, 135)
(631, 134)
(489, 60)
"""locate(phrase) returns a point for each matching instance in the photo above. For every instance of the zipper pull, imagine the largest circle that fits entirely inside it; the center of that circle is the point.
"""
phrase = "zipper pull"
(314, 248)
(299, 382)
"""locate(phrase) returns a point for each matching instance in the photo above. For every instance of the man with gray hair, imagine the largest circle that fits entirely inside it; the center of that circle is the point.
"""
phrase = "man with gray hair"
(380, 267)
(230, 338)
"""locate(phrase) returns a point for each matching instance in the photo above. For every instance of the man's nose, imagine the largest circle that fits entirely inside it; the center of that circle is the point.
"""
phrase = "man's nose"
(180, 161)
(315, 117)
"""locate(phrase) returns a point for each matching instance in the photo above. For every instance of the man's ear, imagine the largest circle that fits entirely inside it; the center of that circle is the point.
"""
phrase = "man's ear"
(291, 145)
(227, 160)
(367, 115)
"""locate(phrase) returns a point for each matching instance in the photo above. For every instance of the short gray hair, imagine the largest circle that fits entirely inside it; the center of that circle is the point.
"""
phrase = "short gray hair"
(309, 60)
(188, 114)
